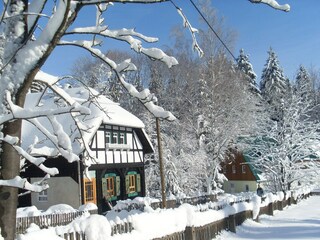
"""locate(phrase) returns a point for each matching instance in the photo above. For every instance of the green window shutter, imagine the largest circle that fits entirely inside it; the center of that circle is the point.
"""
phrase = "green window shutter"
(138, 183)
(127, 184)
(118, 187)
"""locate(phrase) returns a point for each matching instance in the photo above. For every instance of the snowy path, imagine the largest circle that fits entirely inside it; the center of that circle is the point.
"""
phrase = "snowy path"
(301, 221)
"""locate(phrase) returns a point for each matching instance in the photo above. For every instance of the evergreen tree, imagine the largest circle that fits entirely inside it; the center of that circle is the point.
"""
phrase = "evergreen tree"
(244, 65)
(274, 86)
(303, 81)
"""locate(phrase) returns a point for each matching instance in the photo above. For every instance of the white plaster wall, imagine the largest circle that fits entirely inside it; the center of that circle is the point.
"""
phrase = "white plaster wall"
(239, 186)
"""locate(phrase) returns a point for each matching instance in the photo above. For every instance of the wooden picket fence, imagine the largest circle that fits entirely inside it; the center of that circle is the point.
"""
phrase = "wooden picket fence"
(63, 219)
(206, 232)
(49, 220)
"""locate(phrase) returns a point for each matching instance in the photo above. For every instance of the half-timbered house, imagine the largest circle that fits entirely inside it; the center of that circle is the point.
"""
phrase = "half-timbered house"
(117, 143)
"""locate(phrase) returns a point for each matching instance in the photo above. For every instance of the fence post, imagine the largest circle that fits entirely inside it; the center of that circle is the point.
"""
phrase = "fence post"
(270, 209)
(190, 233)
(232, 223)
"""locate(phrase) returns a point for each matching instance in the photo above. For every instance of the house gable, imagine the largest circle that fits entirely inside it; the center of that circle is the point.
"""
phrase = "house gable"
(238, 169)
(114, 144)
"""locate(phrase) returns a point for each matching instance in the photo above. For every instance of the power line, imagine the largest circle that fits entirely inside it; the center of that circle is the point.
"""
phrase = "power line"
(209, 25)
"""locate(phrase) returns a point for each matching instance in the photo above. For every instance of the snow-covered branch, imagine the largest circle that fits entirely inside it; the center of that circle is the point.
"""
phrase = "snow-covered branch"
(23, 183)
(144, 96)
(17, 112)
(274, 4)
(126, 35)
(192, 30)
(94, 2)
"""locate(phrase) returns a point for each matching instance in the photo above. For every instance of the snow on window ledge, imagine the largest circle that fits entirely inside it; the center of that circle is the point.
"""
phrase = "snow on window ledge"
(117, 146)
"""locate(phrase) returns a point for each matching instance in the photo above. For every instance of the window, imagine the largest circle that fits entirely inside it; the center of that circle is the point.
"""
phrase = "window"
(90, 191)
(243, 168)
(133, 184)
(43, 196)
(111, 186)
(232, 187)
(115, 137)
(224, 168)
(108, 137)
(247, 188)
(234, 169)
(122, 138)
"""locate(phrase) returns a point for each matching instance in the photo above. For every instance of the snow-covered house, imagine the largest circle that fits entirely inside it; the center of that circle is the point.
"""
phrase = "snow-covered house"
(241, 175)
(117, 145)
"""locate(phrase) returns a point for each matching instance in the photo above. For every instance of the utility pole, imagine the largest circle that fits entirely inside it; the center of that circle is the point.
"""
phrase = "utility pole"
(163, 191)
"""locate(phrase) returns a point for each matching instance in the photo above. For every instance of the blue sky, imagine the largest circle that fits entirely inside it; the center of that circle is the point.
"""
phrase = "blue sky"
(294, 36)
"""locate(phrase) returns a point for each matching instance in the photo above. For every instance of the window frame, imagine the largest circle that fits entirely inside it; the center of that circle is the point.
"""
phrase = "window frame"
(234, 169)
(243, 168)
(122, 138)
(133, 183)
(43, 196)
(89, 198)
(115, 137)
(108, 137)
(111, 188)
(224, 169)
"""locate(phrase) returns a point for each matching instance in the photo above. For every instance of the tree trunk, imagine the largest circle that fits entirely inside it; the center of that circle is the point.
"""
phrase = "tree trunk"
(10, 161)
(209, 184)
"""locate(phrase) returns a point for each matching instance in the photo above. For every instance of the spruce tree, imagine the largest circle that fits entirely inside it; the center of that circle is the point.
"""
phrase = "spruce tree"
(244, 65)
(303, 81)
(274, 86)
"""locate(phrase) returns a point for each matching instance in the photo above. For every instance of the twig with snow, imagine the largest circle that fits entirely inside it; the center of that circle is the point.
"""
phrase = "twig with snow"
(145, 97)
(192, 30)
(126, 35)
(274, 4)
(23, 183)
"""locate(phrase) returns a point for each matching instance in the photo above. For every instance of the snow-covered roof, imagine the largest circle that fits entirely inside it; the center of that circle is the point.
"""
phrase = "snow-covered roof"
(102, 111)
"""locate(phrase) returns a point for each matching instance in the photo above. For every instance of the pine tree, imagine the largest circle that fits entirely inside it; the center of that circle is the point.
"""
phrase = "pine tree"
(274, 86)
(303, 81)
(244, 65)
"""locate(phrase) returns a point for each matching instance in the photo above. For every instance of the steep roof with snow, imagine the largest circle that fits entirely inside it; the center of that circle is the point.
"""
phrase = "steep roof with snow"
(102, 111)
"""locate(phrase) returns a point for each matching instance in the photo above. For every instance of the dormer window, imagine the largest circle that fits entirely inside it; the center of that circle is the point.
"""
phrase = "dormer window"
(116, 138)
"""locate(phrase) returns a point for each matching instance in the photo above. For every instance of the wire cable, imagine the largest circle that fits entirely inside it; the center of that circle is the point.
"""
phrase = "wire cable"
(211, 28)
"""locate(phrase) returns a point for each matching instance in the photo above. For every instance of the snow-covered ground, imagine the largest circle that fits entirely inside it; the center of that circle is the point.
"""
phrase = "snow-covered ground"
(301, 221)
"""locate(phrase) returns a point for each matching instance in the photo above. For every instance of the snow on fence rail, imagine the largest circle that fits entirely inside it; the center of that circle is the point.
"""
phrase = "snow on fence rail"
(230, 222)
(204, 221)
(120, 228)
(48, 220)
